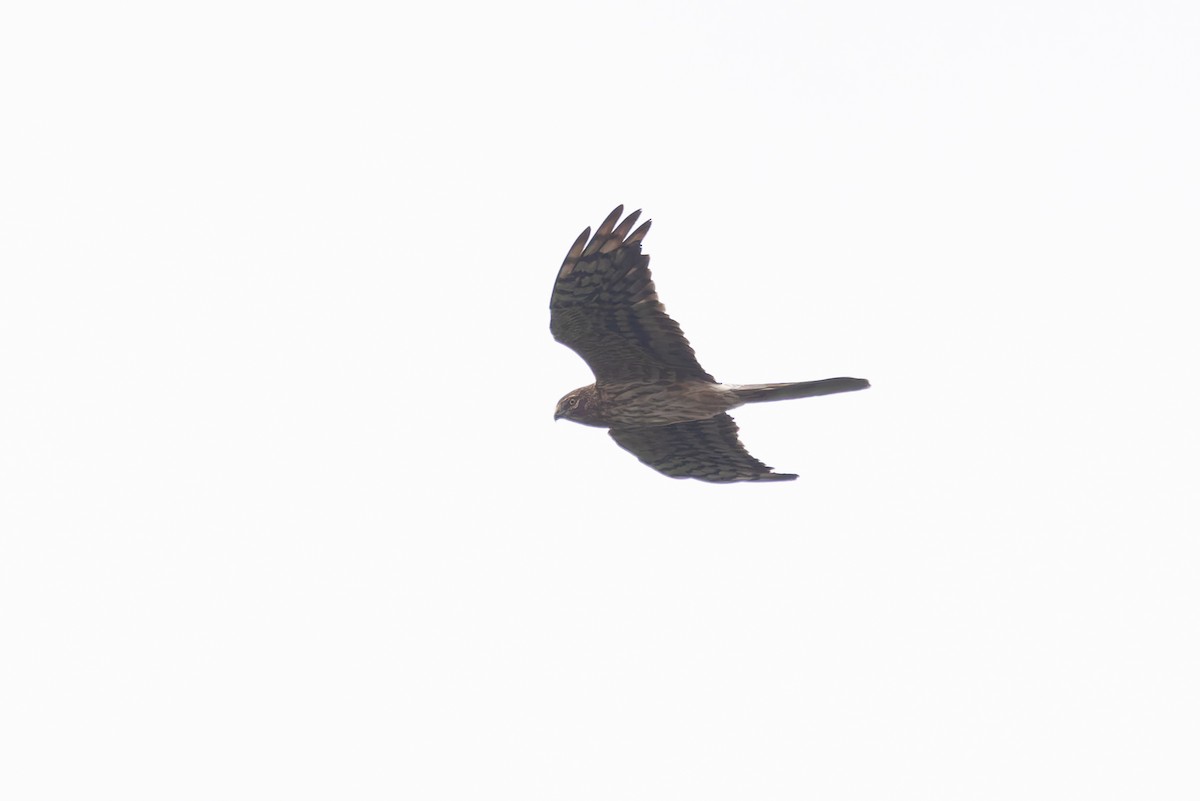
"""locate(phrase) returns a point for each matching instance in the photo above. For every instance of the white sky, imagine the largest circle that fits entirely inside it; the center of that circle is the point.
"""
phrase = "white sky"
(284, 513)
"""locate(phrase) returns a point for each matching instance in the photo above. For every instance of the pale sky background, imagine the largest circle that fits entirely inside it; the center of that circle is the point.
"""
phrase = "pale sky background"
(284, 512)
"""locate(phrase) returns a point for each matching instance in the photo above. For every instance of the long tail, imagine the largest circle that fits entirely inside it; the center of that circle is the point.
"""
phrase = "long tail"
(760, 393)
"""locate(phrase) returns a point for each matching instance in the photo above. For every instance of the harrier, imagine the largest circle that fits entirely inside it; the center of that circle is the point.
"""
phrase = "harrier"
(651, 394)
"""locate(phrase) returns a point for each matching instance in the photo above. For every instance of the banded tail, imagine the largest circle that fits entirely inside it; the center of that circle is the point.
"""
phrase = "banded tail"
(760, 393)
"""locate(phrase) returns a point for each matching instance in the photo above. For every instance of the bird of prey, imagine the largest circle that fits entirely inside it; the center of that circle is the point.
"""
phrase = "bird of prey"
(651, 394)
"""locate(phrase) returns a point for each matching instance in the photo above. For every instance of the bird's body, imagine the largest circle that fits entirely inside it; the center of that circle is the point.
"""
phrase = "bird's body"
(647, 403)
(650, 392)
(660, 403)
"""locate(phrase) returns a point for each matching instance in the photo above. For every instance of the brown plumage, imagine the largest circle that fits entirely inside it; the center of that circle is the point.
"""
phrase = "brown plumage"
(650, 392)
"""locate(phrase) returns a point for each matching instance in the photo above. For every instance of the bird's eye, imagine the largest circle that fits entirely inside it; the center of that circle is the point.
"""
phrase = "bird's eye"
(573, 402)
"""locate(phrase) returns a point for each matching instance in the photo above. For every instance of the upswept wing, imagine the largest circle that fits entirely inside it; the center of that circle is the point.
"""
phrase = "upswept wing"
(604, 308)
(705, 449)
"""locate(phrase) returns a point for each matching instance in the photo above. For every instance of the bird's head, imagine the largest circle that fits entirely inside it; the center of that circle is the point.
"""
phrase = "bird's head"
(578, 405)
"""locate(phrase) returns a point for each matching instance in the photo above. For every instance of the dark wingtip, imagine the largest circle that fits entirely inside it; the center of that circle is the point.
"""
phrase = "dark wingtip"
(640, 233)
(621, 231)
(609, 222)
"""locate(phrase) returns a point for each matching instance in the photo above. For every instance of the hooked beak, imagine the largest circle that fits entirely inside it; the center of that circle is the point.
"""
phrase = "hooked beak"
(557, 414)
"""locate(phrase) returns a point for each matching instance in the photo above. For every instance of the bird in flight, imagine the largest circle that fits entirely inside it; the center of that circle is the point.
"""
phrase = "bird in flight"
(651, 394)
